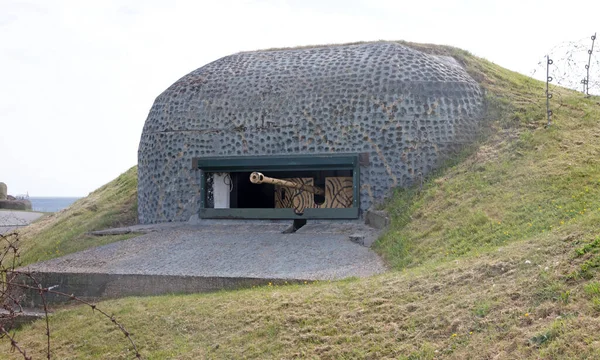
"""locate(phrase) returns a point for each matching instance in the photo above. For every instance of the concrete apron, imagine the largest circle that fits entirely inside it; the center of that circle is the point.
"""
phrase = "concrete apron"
(93, 287)
(208, 257)
(12, 220)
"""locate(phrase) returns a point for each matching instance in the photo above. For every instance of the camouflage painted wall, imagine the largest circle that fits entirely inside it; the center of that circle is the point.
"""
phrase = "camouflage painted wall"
(407, 109)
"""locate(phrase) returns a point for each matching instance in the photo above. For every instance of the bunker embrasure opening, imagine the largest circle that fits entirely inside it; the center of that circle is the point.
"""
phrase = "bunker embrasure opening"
(280, 187)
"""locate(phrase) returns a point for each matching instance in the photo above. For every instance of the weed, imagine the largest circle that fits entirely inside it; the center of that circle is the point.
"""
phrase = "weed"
(592, 289)
(595, 303)
(592, 247)
(564, 297)
(550, 289)
(426, 352)
(481, 308)
(554, 332)
(587, 269)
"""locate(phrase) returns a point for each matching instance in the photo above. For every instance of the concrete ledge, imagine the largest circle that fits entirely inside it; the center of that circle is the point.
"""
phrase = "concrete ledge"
(90, 286)
(141, 229)
(117, 231)
(15, 204)
(378, 219)
(20, 319)
(11, 220)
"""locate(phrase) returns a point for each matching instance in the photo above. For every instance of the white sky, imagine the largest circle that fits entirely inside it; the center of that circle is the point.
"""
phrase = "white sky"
(77, 78)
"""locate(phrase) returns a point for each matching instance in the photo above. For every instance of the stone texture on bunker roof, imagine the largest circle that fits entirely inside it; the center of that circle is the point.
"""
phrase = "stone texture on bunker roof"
(406, 108)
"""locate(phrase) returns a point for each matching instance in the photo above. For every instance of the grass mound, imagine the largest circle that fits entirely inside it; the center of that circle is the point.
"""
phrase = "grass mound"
(521, 180)
(64, 232)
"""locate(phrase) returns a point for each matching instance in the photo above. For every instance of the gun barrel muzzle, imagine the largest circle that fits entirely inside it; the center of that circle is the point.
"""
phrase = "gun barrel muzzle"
(259, 178)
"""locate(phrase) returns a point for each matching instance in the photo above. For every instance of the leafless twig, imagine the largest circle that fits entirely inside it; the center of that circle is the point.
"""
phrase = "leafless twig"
(11, 278)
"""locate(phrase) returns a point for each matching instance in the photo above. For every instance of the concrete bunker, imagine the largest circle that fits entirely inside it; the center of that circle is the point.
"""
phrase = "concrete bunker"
(359, 119)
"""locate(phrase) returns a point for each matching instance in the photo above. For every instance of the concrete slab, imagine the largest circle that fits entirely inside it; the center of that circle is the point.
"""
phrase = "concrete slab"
(20, 318)
(211, 257)
(7, 229)
(12, 219)
(378, 219)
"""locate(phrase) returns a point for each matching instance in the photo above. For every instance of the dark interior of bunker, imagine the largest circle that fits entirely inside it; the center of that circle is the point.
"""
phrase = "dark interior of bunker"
(243, 194)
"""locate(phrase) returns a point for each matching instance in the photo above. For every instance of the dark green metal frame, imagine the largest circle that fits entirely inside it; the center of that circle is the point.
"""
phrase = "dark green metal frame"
(280, 163)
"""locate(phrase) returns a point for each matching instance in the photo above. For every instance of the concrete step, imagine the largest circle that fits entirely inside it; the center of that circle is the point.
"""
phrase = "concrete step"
(20, 318)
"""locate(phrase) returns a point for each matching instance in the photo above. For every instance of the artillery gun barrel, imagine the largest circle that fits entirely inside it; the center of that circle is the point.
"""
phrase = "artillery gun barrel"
(259, 178)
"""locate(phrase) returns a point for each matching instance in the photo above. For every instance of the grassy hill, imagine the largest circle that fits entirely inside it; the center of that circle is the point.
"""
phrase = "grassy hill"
(495, 256)
(518, 182)
(64, 232)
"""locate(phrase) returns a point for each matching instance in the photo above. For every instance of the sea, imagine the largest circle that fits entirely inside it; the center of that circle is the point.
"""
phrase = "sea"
(51, 204)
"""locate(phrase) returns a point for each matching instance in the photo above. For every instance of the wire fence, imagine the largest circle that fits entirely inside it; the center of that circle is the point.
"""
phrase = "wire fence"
(14, 283)
(573, 65)
(548, 93)
(586, 80)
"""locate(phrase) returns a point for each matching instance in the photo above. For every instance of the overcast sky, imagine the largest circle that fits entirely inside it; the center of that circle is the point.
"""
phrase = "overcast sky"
(77, 78)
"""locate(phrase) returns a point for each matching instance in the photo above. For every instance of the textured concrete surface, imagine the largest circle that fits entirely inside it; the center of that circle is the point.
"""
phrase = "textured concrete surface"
(25, 317)
(406, 109)
(15, 205)
(93, 286)
(141, 228)
(378, 219)
(245, 251)
(213, 256)
(11, 219)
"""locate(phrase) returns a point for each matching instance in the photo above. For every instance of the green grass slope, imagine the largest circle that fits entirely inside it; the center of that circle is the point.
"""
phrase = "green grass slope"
(522, 180)
(64, 232)
(495, 256)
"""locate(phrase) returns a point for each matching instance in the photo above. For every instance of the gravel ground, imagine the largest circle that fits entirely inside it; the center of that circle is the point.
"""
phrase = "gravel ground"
(231, 250)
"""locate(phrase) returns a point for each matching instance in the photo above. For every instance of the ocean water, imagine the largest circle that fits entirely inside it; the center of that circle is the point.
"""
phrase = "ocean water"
(51, 204)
